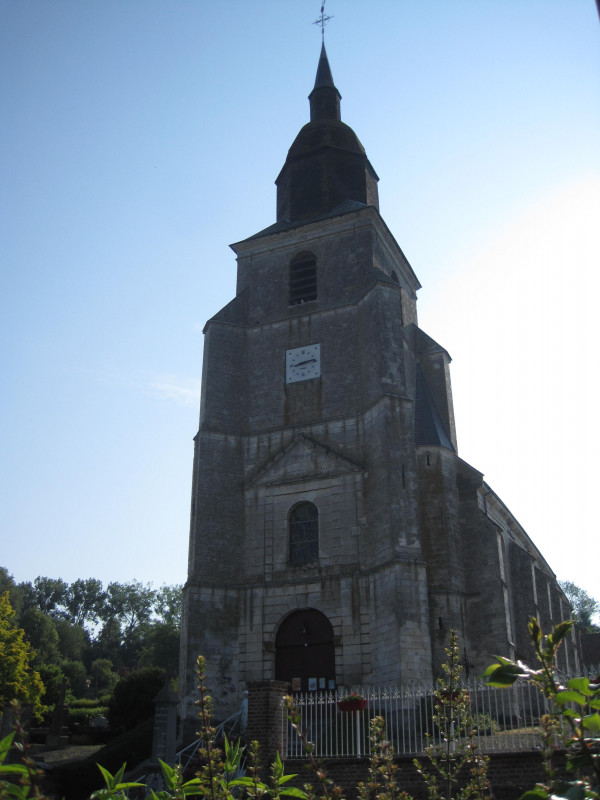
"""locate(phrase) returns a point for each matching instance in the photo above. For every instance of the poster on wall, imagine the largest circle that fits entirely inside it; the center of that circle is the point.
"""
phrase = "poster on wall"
(321, 683)
(312, 684)
(296, 684)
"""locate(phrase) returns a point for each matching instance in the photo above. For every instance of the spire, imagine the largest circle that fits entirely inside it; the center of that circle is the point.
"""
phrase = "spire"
(324, 98)
(324, 76)
(326, 166)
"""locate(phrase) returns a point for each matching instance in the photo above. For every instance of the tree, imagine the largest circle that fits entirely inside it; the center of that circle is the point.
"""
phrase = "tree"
(130, 603)
(107, 645)
(47, 594)
(18, 681)
(74, 642)
(102, 675)
(584, 606)
(161, 648)
(75, 673)
(168, 604)
(84, 601)
(41, 633)
(55, 682)
(15, 592)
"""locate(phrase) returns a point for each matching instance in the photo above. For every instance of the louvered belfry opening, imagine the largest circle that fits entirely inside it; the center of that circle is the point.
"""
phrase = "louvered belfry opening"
(303, 279)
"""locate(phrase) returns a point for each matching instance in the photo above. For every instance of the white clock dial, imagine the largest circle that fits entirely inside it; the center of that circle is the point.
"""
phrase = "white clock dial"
(303, 363)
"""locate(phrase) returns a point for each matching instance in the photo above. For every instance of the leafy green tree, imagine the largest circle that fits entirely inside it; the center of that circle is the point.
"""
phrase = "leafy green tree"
(15, 592)
(73, 641)
(42, 635)
(161, 648)
(76, 675)
(47, 594)
(84, 601)
(131, 604)
(18, 680)
(55, 683)
(102, 675)
(168, 605)
(108, 642)
(584, 606)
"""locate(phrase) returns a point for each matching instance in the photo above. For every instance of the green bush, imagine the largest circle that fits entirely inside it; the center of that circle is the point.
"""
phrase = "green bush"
(84, 716)
(132, 699)
(89, 702)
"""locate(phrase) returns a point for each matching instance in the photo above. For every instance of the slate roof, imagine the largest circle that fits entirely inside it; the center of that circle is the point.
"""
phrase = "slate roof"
(429, 428)
(285, 225)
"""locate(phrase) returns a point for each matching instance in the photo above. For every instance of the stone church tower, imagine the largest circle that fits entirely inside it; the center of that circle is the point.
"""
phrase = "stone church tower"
(336, 536)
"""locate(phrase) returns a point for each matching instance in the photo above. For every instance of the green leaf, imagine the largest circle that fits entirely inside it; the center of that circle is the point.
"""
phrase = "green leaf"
(568, 712)
(580, 685)
(559, 632)
(169, 774)
(538, 793)
(535, 632)
(576, 791)
(569, 697)
(292, 791)
(503, 674)
(15, 769)
(591, 722)
(119, 774)
(108, 778)
(11, 790)
(5, 745)
(129, 785)
(285, 778)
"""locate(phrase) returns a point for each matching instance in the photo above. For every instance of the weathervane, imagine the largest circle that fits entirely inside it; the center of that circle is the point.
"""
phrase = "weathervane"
(322, 21)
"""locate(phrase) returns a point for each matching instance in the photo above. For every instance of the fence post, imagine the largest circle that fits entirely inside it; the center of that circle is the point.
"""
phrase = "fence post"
(266, 716)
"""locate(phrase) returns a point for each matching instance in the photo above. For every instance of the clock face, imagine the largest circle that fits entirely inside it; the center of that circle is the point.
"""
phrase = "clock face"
(303, 363)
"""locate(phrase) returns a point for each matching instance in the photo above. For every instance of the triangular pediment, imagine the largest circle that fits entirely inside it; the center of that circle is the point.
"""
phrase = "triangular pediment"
(301, 459)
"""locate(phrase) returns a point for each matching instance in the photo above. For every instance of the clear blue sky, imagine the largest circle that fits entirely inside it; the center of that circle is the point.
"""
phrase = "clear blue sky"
(140, 137)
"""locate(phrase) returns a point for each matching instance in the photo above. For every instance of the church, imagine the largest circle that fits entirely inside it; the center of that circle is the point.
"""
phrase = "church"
(336, 535)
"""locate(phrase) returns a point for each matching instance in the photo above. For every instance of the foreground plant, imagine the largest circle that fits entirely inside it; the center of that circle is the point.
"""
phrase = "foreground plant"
(22, 780)
(453, 768)
(381, 783)
(115, 786)
(573, 719)
(327, 790)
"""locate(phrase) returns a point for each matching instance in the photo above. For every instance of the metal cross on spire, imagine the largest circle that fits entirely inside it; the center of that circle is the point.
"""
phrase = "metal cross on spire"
(322, 21)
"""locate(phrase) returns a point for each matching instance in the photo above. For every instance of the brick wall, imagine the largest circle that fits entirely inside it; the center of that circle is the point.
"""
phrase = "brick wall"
(510, 774)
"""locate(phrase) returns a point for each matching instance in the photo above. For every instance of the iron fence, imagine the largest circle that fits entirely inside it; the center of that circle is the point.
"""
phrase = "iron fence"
(503, 720)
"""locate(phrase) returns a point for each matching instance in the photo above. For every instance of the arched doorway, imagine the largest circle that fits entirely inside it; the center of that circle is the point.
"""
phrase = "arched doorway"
(304, 651)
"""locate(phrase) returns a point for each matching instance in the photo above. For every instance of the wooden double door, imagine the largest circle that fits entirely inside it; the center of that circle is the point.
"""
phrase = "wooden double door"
(304, 651)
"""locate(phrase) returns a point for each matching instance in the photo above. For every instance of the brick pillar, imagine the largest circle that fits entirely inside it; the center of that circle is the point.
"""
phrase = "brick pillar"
(267, 721)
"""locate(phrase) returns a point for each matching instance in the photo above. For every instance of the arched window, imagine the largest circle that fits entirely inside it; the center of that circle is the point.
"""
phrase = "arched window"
(304, 534)
(303, 279)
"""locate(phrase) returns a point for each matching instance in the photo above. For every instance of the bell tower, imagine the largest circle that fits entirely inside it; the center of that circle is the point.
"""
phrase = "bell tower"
(335, 535)
(304, 502)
